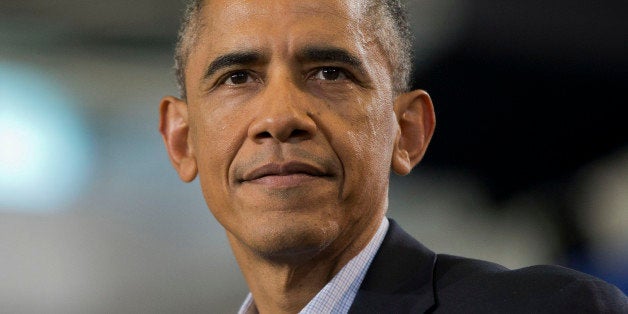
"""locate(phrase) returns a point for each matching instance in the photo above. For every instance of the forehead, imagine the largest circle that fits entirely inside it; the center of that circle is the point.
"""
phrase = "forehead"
(233, 9)
(241, 23)
(279, 29)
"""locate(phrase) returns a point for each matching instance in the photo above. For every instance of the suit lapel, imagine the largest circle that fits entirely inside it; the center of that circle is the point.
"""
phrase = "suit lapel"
(399, 279)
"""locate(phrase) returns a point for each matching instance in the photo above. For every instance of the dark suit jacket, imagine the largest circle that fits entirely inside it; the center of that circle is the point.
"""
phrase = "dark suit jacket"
(406, 277)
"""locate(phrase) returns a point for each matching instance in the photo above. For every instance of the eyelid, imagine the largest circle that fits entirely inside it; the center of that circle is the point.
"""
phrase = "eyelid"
(349, 76)
(313, 72)
(342, 75)
(223, 78)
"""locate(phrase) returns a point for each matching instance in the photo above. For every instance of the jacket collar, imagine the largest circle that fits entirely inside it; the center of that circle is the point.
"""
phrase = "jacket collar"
(400, 278)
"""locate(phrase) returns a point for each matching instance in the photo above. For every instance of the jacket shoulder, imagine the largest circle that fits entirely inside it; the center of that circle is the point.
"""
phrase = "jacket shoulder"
(469, 285)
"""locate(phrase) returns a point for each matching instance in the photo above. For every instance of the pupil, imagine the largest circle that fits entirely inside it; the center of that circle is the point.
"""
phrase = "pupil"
(331, 74)
(239, 78)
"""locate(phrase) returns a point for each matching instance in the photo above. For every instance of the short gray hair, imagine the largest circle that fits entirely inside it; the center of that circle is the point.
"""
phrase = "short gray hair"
(390, 26)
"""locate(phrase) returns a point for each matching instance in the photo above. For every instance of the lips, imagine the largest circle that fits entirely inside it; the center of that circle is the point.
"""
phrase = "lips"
(283, 169)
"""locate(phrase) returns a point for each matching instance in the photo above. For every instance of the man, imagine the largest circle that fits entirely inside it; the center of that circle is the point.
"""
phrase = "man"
(292, 113)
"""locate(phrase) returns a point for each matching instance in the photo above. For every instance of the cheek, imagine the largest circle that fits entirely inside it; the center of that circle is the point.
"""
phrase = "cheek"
(365, 147)
(373, 148)
(211, 143)
(372, 131)
(216, 139)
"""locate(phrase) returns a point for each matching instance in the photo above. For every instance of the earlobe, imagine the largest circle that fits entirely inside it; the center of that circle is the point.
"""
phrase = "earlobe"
(174, 129)
(415, 115)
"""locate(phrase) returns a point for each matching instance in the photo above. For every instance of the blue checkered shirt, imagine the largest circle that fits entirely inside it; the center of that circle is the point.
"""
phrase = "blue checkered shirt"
(337, 296)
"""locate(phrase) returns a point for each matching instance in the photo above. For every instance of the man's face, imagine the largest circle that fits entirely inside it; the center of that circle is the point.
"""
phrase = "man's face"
(291, 121)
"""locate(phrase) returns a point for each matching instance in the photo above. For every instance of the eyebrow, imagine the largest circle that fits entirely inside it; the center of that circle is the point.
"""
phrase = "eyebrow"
(307, 54)
(231, 59)
(330, 54)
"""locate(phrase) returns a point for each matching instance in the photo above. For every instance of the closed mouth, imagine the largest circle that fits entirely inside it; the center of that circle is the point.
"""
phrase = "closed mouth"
(283, 169)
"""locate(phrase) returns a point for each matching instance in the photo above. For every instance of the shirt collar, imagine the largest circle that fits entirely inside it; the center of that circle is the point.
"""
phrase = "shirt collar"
(337, 296)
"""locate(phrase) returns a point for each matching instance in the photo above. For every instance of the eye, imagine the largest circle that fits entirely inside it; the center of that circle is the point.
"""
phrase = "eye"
(237, 78)
(330, 74)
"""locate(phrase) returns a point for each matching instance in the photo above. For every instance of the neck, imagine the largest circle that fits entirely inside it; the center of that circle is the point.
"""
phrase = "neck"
(286, 285)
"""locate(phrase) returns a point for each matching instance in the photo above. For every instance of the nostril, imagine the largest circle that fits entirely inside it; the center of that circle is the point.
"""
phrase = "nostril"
(262, 135)
(297, 133)
(282, 127)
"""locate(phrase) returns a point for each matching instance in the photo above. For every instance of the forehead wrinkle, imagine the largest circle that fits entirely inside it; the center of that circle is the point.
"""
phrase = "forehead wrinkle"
(366, 45)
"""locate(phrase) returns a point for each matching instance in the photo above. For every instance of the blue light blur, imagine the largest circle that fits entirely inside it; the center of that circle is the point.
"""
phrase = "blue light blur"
(44, 148)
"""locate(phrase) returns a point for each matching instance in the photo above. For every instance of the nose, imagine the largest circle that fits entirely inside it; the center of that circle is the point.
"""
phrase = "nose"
(282, 115)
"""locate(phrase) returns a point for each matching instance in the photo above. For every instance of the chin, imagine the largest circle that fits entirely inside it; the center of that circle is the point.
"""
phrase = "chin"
(286, 239)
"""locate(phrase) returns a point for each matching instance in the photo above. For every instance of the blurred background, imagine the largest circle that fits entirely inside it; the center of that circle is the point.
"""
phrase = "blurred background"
(529, 163)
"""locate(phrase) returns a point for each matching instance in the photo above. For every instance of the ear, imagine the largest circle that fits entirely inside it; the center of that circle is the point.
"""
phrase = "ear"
(174, 129)
(415, 116)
